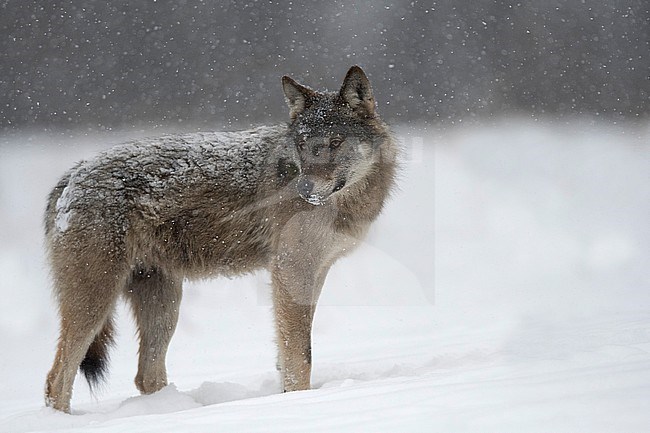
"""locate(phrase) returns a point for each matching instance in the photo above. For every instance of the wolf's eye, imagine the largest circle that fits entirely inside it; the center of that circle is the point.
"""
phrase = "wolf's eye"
(335, 142)
(302, 140)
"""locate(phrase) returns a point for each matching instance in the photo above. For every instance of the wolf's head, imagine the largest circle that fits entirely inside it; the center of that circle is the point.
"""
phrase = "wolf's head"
(337, 135)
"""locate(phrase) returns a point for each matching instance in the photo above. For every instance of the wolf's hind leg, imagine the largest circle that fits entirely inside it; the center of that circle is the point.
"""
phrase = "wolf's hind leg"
(155, 300)
(85, 307)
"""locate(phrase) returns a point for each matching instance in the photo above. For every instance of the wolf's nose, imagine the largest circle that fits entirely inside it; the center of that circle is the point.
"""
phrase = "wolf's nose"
(305, 187)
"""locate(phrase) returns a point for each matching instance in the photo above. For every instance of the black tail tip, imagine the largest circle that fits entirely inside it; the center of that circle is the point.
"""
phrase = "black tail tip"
(95, 370)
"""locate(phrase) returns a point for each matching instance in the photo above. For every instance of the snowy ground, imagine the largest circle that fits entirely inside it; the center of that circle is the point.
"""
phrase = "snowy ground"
(505, 289)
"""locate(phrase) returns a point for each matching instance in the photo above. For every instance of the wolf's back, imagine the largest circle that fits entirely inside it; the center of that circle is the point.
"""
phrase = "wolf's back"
(160, 173)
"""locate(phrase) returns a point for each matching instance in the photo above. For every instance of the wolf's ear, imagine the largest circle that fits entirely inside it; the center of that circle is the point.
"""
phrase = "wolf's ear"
(298, 97)
(356, 91)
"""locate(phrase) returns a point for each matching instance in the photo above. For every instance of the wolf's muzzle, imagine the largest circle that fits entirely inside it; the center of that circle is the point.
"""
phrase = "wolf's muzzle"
(305, 187)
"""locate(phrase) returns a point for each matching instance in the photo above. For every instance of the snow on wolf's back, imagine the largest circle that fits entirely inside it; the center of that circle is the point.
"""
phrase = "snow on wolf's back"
(152, 181)
(163, 169)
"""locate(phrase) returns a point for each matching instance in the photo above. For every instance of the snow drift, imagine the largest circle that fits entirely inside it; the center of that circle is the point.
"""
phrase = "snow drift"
(505, 288)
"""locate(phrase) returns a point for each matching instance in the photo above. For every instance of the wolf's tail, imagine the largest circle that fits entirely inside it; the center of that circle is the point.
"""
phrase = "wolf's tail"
(94, 366)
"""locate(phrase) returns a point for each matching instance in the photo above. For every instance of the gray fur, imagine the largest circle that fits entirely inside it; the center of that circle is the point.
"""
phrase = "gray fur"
(141, 217)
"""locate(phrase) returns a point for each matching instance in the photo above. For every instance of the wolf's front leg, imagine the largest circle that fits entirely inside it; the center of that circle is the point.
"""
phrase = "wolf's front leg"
(294, 300)
(293, 322)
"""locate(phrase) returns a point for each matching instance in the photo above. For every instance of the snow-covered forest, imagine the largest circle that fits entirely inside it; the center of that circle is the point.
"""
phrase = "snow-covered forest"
(505, 287)
(106, 64)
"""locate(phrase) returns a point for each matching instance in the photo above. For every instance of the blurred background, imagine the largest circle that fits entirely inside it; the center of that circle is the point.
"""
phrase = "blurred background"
(124, 63)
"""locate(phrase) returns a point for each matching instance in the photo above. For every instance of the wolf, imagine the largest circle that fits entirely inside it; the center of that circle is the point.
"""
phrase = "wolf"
(141, 217)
